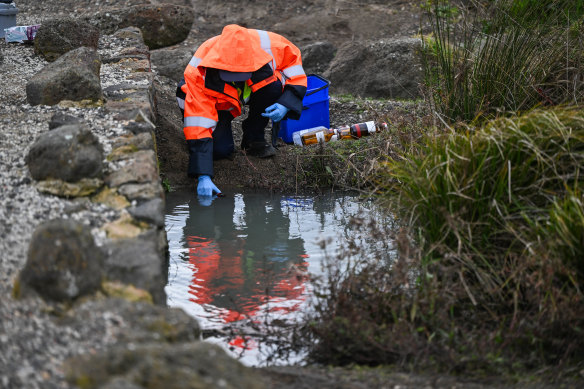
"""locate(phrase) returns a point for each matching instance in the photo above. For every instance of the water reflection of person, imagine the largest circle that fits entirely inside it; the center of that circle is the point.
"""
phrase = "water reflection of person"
(242, 267)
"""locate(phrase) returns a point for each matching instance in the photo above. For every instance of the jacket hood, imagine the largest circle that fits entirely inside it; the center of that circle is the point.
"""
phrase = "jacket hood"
(236, 50)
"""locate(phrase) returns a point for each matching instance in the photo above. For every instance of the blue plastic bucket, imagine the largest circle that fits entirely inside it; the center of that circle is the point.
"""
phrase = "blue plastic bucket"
(315, 111)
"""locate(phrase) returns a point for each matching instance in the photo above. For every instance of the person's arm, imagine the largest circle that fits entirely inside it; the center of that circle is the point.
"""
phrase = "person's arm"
(289, 64)
(200, 119)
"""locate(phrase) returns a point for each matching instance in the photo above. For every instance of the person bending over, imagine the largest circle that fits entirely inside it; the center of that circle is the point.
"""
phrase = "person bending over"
(241, 66)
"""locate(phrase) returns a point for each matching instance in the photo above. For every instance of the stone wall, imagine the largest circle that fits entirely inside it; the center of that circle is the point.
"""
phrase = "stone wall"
(84, 252)
(66, 161)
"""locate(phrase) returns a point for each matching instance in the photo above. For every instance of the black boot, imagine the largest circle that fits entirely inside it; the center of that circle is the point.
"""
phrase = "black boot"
(260, 149)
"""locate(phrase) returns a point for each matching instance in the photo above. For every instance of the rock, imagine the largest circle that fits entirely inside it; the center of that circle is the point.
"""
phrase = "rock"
(138, 262)
(132, 109)
(111, 198)
(141, 168)
(171, 63)
(142, 141)
(150, 211)
(125, 227)
(69, 153)
(161, 25)
(317, 56)
(146, 191)
(132, 34)
(74, 76)
(138, 321)
(389, 68)
(63, 262)
(163, 366)
(58, 36)
(115, 289)
(122, 152)
(61, 119)
(140, 127)
(81, 188)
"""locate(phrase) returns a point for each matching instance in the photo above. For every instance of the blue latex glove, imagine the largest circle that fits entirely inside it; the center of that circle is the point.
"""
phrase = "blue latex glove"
(276, 112)
(206, 188)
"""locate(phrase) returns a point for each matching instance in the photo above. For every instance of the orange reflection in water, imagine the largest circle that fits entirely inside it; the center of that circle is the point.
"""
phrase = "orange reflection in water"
(263, 271)
(218, 274)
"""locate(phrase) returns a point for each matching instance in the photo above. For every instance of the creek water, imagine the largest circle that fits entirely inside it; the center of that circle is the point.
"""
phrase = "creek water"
(245, 263)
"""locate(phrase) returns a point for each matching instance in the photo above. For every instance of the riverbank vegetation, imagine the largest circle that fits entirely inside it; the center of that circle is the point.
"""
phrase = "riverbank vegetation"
(489, 272)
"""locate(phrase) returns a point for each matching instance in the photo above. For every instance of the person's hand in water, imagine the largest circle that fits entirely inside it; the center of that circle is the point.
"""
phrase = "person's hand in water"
(207, 191)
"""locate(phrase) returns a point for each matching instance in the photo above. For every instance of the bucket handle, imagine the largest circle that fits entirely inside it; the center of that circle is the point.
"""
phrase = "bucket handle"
(322, 87)
(326, 85)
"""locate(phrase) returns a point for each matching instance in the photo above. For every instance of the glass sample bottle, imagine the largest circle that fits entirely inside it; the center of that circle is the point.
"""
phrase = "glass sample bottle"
(314, 135)
(358, 130)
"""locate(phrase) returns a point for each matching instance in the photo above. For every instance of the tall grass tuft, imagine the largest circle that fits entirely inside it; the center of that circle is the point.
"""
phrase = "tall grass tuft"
(498, 212)
(505, 56)
(477, 194)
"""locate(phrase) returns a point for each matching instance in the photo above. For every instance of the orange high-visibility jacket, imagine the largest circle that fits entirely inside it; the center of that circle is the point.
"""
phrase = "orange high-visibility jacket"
(267, 55)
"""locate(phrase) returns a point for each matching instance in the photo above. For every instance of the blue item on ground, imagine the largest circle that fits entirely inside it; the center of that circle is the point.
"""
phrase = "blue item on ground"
(276, 112)
(315, 110)
(206, 188)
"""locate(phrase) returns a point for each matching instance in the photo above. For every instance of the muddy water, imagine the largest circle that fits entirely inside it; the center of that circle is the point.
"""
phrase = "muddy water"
(245, 263)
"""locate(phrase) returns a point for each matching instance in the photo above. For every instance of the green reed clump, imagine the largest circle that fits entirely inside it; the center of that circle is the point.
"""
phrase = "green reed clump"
(474, 192)
(497, 214)
(505, 56)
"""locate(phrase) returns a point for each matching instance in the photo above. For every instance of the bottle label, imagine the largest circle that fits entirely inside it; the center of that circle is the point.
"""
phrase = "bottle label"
(370, 127)
(320, 137)
(297, 135)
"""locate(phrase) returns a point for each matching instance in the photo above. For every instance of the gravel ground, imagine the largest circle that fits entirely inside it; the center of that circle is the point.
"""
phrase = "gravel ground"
(32, 346)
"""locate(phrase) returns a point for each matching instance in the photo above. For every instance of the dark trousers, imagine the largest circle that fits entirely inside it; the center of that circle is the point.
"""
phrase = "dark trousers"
(253, 126)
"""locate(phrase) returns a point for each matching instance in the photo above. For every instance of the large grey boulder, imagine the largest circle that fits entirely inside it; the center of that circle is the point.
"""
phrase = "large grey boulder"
(69, 153)
(317, 56)
(162, 25)
(194, 365)
(171, 63)
(58, 36)
(388, 68)
(74, 76)
(139, 262)
(63, 262)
